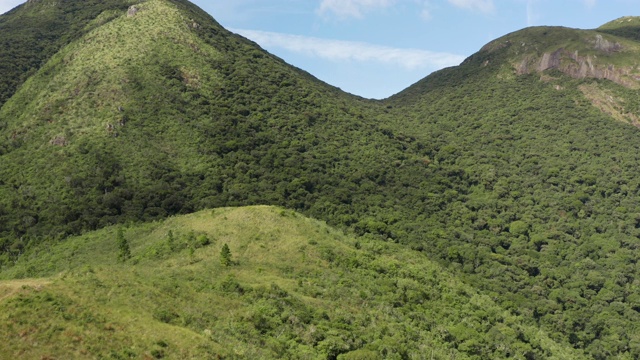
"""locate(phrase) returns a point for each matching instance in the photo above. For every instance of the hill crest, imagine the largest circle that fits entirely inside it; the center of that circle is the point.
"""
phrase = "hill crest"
(577, 53)
(296, 288)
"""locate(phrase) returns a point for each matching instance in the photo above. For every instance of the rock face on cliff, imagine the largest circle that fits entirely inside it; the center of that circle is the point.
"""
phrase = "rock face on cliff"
(579, 66)
(606, 60)
(577, 53)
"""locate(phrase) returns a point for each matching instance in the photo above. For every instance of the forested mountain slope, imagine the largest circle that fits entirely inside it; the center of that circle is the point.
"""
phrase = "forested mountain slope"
(163, 112)
(516, 170)
(549, 218)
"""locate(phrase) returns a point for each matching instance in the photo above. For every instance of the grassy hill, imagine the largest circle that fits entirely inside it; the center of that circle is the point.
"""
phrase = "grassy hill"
(34, 32)
(296, 288)
(515, 172)
(628, 26)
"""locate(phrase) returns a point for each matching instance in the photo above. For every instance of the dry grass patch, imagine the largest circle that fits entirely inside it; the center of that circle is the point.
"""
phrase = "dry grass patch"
(609, 104)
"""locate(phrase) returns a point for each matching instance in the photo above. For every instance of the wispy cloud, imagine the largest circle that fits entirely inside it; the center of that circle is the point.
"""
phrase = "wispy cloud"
(532, 15)
(352, 8)
(590, 3)
(485, 6)
(6, 5)
(338, 50)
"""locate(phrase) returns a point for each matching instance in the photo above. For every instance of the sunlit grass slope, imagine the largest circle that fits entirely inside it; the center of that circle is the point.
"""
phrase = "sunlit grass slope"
(84, 85)
(36, 30)
(296, 289)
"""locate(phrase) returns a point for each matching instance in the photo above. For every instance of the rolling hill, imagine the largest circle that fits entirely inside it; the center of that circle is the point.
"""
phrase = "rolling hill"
(513, 174)
(297, 289)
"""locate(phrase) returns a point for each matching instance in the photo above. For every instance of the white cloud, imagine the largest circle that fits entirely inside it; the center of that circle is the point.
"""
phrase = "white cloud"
(590, 3)
(485, 6)
(6, 5)
(338, 50)
(352, 8)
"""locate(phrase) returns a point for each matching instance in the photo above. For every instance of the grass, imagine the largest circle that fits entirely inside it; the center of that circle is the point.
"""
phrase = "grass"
(297, 288)
(93, 83)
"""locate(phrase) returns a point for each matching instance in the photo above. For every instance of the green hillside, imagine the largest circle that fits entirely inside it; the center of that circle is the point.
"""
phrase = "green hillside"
(295, 289)
(34, 32)
(162, 113)
(628, 26)
(515, 171)
(548, 221)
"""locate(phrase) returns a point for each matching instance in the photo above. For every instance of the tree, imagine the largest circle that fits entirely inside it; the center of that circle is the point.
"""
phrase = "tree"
(225, 256)
(171, 243)
(124, 253)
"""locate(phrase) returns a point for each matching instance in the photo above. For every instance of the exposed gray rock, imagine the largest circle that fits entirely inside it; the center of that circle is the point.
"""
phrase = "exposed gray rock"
(580, 67)
(550, 61)
(133, 10)
(607, 46)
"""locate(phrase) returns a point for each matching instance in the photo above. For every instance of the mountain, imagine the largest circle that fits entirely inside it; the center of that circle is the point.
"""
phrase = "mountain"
(549, 217)
(163, 112)
(513, 173)
(34, 32)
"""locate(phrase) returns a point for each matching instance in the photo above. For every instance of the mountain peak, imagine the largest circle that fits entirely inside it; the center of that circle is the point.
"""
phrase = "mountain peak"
(95, 75)
(600, 54)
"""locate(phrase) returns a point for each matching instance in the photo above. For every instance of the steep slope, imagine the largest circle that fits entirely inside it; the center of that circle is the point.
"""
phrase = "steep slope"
(34, 32)
(297, 289)
(161, 111)
(549, 222)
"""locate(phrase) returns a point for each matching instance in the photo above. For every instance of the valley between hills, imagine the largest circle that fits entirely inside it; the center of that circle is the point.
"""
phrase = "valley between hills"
(168, 189)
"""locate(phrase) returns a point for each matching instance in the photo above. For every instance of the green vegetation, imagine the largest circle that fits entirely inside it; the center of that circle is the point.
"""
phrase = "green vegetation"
(124, 252)
(225, 256)
(628, 26)
(300, 290)
(547, 219)
(522, 185)
(32, 33)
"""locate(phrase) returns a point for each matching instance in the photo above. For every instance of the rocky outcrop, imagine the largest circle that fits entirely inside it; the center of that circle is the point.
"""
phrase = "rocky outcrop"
(550, 61)
(133, 10)
(580, 67)
(606, 46)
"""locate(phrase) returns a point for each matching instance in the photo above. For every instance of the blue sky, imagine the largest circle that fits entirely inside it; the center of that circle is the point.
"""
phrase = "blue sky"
(375, 48)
